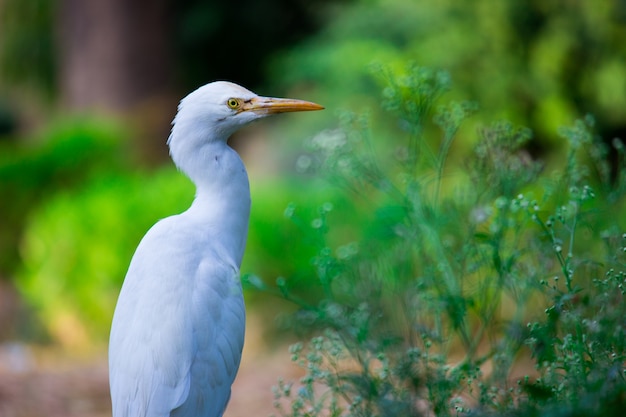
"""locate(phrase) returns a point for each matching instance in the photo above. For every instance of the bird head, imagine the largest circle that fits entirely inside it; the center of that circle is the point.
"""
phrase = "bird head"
(213, 112)
(216, 110)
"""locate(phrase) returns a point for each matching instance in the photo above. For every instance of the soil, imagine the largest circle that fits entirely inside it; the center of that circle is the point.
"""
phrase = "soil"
(38, 384)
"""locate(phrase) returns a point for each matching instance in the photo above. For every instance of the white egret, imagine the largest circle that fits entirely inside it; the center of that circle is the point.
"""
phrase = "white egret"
(178, 327)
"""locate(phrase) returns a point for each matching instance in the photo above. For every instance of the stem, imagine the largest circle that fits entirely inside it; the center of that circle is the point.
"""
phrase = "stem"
(443, 156)
(568, 277)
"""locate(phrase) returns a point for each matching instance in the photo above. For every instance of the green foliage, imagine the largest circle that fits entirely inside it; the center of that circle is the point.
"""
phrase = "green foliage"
(64, 156)
(27, 43)
(267, 248)
(78, 245)
(534, 64)
(478, 287)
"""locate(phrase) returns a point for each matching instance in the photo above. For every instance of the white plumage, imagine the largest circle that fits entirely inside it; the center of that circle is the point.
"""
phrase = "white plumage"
(178, 328)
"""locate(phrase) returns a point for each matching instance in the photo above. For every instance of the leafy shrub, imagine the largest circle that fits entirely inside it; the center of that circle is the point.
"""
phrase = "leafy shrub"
(530, 63)
(487, 285)
(78, 244)
(62, 157)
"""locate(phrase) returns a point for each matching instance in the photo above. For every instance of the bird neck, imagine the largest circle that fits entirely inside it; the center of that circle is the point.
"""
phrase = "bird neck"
(222, 203)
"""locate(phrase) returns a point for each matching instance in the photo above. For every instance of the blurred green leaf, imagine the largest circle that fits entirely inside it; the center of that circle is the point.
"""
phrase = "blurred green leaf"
(78, 244)
(62, 157)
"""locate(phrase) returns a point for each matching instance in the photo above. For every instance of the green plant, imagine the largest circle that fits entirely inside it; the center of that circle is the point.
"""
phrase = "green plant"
(485, 285)
(64, 156)
(77, 246)
(534, 64)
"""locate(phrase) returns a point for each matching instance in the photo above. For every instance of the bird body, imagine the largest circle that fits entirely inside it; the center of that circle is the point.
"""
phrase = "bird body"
(178, 328)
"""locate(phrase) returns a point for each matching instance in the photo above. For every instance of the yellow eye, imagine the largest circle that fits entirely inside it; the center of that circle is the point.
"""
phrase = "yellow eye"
(233, 103)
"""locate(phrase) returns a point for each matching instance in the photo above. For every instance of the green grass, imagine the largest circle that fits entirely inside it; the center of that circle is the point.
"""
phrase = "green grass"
(489, 283)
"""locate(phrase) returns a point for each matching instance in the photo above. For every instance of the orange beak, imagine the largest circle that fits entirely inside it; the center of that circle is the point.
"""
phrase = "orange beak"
(271, 105)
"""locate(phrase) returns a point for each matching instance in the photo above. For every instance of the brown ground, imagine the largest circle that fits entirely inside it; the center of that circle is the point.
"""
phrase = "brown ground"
(40, 384)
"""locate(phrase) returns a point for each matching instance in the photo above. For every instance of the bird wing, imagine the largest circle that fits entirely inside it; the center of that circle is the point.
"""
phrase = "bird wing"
(217, 353)
(177, 332)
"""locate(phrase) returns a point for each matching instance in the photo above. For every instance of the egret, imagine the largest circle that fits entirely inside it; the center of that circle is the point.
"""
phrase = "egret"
(178, 327)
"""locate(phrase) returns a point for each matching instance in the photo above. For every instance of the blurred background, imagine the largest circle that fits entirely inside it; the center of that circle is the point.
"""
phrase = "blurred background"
(87, 94)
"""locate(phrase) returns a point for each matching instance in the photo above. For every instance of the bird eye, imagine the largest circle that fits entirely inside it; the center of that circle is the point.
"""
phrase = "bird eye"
(233, 103)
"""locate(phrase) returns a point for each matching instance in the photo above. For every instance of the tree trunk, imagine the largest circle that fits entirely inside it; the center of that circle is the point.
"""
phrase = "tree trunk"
(115, 57)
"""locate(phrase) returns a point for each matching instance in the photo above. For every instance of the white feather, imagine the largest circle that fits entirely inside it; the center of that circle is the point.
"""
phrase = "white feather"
(178, 328)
